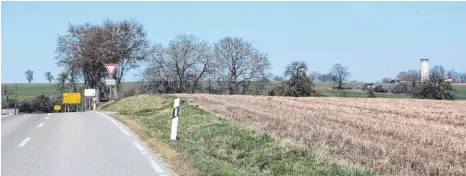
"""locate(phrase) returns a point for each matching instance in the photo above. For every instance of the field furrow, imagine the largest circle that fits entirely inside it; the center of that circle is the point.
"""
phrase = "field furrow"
(392, 136)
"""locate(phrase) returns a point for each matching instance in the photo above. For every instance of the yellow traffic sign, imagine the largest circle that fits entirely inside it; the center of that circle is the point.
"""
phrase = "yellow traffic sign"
(57, 107)
(71, 98)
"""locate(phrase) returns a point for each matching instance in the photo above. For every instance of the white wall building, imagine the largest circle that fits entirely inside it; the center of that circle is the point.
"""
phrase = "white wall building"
(424, 69)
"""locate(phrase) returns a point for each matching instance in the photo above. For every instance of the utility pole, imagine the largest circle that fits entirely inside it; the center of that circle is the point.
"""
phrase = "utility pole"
(16, 97)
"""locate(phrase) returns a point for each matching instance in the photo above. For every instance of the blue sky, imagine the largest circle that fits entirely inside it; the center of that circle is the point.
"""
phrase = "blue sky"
(370, 38)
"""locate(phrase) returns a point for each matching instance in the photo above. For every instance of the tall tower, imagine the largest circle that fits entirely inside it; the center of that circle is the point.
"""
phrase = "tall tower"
(424, 69)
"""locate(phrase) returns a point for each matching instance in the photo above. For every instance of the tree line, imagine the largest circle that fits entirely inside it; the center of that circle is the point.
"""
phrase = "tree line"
(189, 64)
(186, 64)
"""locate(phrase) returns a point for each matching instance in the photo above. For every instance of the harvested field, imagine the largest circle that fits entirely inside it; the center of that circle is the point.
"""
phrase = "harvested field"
(389, 136)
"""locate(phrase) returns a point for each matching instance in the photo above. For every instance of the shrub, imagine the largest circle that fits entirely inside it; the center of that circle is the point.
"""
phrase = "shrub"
(297, 83)
(401, 88)
(371, 94)
(435, 88)
(41, 103)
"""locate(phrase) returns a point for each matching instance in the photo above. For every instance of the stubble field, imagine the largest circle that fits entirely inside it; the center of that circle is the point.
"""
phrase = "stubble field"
(388, 136)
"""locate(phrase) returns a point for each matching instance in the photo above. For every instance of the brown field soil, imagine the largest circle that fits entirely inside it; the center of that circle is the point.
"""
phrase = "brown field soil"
(459, 84)
(388, 136)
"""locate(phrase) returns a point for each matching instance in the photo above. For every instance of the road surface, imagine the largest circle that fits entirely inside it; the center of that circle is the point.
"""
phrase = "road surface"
(87, 143)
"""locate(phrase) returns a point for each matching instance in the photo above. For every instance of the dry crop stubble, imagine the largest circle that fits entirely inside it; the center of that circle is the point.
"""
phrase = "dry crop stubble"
(392, 136)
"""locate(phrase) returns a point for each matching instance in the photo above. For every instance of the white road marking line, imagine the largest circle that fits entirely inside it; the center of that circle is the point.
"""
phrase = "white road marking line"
(24, 142)
(116, 124)
(125, 132)
(49, 114)
(40, 125)
(47, 118)
(156, 167)
(138, 146)
(151, 161)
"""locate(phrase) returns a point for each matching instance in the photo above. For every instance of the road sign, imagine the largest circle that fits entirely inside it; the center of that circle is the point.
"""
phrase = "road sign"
(110, 82)
(71, 98)
(89, 92)
(56, 107)
(111, 69)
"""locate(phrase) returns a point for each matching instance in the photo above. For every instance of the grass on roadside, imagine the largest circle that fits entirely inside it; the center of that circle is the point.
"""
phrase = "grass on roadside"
(211, 145)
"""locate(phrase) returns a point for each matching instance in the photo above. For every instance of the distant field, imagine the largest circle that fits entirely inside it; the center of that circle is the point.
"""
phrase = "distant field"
(326, 89)
(389, 136)
(28, 91)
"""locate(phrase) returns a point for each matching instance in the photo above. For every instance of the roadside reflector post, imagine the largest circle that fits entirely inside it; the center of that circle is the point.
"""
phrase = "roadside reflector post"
(176, 110)
(94, 103)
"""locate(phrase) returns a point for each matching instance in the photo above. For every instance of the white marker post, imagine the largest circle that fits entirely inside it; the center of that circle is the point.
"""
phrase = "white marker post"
(176, 110)
(94, 102)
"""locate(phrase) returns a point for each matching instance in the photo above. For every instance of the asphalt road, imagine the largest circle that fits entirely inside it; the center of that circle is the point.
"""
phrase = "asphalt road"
(83, 144)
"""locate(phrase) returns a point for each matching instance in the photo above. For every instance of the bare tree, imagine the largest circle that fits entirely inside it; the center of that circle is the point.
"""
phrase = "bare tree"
(6, 92)
(85, 49)
(340, 74)
(462, 77)
(315, 76)
(61, 79)
(239, 63)
(77, 52)
(278, 78)
(386, 80)
(190, 59)
(29, 75)
(48, 76)
(439, 69)
(453, 75)
(413, 77)
(325, 77)
(125, 43)
(180, 67)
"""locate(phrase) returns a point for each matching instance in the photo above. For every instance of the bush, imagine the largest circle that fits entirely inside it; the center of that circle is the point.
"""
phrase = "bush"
(26, 106)
(41, 103)
(380, 89)
(371, 94)
(401, 88)
(435, 88)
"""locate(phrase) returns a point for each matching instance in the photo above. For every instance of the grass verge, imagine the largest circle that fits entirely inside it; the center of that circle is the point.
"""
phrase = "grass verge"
(211, 145)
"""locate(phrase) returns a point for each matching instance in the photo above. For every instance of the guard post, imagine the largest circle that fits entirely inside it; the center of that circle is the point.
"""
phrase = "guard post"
(176, 110)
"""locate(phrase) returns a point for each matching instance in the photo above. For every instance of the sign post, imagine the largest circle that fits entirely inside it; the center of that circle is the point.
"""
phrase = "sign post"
(176, 110)
(94, 104)
(57, 108)
(111, 71)
(88, 93)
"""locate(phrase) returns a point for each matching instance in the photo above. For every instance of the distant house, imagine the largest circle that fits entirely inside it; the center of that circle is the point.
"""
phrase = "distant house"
(447, 79)
(396, 80)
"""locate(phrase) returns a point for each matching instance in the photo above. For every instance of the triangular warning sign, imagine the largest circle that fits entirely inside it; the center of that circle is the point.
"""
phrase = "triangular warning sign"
(111, 69)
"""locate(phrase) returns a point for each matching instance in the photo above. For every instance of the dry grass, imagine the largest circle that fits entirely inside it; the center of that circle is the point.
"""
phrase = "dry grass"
(390, 136)
(170, 156)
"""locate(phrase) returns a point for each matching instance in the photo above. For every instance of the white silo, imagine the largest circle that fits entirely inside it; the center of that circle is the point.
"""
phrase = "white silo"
(424, 69)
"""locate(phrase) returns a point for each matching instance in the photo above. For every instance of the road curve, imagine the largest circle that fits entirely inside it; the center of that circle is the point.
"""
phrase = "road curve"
(88, 143)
